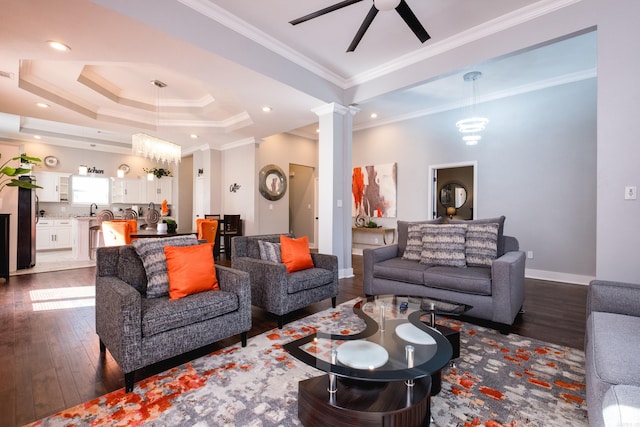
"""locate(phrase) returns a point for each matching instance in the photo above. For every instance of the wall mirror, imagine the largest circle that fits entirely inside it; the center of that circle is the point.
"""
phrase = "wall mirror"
(273, 182)
(453, 195)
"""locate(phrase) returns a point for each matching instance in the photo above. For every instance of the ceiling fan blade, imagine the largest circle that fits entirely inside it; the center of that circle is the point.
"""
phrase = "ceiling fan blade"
(321, 12)
(363, 28)
(412, 21)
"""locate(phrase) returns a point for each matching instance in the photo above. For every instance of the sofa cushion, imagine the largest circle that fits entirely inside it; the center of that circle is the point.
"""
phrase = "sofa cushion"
(131, 270)
(270, 251)
(481, 246)
(308, 279)
(295, 253)
(615, 358)
(498, 220)
(621, 406)
(151, 252)
(444, 245)
(253, 243)
(413, 246)
(400, 270)
(161, 314)
(403, 231)
(190, 270)
(471, 280)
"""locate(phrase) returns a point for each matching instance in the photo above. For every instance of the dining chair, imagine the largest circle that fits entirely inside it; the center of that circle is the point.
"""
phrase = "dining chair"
(208, 230)
(219, 235)
(232, 228)
(116, 233)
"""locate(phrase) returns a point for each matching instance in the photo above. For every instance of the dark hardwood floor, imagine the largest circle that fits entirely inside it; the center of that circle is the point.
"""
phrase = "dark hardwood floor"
(50, 360)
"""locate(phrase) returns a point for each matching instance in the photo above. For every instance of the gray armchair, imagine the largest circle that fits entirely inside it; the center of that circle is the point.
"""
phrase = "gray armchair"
(611, 351)
(139, 331)
(277, 291)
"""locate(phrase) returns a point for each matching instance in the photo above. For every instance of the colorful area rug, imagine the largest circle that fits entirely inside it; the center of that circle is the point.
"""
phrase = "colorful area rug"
(499, 380)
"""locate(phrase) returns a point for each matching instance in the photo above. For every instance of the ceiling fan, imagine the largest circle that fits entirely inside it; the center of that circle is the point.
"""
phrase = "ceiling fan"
(400, 6)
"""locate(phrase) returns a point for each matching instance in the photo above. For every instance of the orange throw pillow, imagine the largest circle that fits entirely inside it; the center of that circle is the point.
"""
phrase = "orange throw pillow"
(190, 269)
(295, 253)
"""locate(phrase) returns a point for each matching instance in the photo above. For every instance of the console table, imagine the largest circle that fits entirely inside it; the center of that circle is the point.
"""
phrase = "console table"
(378, 230)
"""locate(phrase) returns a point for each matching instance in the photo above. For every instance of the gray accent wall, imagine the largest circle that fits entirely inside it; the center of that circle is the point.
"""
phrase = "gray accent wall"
(536, 166)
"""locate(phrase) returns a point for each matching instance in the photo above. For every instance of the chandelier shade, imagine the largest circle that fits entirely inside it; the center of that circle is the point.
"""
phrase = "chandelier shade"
(155, 148)
(474, 124)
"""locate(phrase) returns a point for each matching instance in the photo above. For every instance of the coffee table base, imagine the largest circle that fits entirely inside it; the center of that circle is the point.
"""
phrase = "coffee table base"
(364, 403)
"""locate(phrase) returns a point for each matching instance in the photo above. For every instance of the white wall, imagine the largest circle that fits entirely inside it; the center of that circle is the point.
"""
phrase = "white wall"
(240, 168)
(618, 154)
(281, 150)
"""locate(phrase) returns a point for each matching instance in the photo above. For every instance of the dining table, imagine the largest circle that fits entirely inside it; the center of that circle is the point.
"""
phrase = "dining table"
(152, 232)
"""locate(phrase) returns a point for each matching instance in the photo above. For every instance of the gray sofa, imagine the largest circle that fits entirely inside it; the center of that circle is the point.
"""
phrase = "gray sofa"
(612, 345)
(139, 331)
(277, 291)
(496, 293)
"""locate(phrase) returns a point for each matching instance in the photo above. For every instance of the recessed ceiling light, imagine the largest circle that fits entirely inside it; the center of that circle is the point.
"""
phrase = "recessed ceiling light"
(266, 109)
(37, 136)
(58, 46)
(42, 105)
(193, 136)
(374, 115)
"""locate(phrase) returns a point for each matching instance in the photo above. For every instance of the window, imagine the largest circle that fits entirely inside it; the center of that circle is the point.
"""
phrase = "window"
(89, 189)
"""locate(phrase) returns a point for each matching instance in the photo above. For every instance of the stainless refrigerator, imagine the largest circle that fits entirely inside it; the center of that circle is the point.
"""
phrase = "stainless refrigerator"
(27, 218)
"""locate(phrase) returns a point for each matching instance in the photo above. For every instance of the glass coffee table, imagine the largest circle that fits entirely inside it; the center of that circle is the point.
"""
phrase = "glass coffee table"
(381, 375)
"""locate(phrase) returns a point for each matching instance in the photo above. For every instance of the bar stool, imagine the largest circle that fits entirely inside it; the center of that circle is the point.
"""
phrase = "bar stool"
(96, 230)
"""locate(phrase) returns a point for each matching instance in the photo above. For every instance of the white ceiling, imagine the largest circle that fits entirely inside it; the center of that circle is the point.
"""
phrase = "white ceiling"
(223, 60)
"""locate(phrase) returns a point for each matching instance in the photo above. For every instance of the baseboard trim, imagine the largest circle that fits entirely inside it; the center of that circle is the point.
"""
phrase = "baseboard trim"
(554, 276)
(344, 273)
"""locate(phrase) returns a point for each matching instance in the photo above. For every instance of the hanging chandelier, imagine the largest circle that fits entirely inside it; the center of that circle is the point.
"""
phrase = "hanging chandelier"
(472, 126)
(154, 148)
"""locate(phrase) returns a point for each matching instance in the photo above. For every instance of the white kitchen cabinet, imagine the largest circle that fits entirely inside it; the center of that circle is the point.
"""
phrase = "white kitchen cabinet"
(128, 190)
(55, 186)
(53, 234)
(159, 189)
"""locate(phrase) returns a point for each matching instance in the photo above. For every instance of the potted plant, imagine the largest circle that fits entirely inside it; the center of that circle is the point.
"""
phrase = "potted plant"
(9, 175)
(158, 172)
(172, 226)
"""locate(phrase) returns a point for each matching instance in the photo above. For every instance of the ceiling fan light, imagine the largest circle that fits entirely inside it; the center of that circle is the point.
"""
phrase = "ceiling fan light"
(386, 4)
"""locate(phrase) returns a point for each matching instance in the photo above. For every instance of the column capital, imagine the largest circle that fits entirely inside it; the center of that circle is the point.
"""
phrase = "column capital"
(331, 108)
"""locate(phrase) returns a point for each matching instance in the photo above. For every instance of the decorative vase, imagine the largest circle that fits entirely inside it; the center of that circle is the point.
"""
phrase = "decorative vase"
(162, 227)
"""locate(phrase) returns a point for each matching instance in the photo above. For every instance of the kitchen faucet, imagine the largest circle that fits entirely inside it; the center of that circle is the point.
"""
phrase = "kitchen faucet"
(91, 212)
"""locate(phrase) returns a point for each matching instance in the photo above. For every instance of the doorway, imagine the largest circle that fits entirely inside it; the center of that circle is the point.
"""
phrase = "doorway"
(302, 201)
(454, 190)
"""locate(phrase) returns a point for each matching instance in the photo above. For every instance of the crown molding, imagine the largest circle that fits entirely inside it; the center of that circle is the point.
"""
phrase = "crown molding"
(222, 16)
(494, 96)
(240, 143)
(496, 25)
(504, 22)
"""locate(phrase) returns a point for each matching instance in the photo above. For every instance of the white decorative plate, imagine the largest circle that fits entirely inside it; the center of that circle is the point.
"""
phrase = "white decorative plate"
(413, 334)
(362, 355)
(50, 161)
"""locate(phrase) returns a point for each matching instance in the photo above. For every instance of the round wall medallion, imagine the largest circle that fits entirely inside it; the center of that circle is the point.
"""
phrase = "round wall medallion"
(124, 168)
(50, 161)
(273, 183)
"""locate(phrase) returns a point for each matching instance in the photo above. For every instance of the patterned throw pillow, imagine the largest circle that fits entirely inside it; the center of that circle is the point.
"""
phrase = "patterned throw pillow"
(482, 244)
(151, 252)
(270, 251)
(413, 250)
(444, 245)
